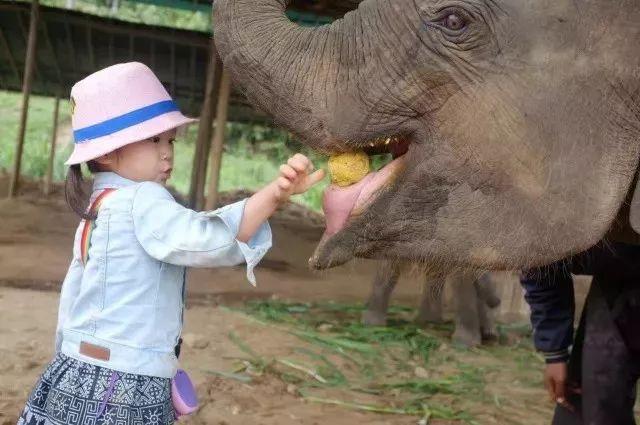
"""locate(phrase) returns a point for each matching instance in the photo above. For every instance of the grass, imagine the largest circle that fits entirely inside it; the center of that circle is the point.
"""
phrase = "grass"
(350, 335)
(379, 362)
(395, 370)
(37, 137)
(251, 158)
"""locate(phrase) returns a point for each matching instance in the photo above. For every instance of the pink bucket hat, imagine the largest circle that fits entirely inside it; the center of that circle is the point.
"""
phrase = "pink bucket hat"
(117, 106)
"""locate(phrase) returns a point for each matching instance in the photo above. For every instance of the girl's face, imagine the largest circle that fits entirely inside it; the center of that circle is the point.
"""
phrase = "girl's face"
(147, 160)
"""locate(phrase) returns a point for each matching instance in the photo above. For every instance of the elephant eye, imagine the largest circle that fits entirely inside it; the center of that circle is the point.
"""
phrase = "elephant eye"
(454, 22)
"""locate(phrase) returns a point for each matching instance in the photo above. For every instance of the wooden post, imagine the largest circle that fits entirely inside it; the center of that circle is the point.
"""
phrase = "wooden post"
(207, 113)
(48, 178)
(26, 91)
(203, 159)
(218, 140)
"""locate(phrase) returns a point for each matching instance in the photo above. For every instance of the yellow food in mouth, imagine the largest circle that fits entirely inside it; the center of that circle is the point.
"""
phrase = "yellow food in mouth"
(348, 168)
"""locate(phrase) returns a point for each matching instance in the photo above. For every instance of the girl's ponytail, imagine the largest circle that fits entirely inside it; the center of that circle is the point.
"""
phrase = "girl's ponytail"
(76, 193)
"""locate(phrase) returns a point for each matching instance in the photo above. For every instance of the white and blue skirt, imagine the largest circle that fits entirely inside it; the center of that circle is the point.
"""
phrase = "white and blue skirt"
(71, 392)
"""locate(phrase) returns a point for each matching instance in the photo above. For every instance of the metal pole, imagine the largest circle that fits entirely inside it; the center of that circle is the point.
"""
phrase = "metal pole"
(26, 91)
(218, 140)
(48, 179)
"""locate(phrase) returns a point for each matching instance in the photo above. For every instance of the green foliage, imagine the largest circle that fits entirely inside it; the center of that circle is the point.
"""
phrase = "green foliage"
(150, 14)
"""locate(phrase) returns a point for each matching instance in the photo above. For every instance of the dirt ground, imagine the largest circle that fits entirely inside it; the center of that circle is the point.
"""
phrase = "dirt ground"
(35, 247)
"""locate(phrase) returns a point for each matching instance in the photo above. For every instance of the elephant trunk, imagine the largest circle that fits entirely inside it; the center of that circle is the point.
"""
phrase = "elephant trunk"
(295, 74)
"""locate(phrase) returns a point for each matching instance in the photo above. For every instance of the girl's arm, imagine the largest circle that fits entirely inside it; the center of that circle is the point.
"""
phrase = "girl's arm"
(296, 176)
(234, 234)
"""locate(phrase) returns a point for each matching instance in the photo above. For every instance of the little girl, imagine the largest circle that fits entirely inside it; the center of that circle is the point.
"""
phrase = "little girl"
(122, 301)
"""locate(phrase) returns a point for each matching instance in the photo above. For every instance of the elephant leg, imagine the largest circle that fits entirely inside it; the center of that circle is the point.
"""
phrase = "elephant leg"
(431, 307)
(488, 328)
(488, 291)
(488, 300)
(467, 318)
(386, 279)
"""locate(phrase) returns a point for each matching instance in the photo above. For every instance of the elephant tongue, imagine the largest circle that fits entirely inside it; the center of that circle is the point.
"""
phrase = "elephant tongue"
(340, 203)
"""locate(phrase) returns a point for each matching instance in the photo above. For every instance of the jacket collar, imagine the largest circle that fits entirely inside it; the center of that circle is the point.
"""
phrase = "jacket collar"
(109, 180)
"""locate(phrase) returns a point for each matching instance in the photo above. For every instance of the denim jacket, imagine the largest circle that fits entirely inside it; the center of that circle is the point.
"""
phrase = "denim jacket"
(127, 301)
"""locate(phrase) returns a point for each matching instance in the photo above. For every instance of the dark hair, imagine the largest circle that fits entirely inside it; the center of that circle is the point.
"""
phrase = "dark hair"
(76, 190)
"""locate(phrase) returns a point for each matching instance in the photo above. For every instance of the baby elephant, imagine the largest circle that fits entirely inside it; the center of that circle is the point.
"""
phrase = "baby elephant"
(473, 299)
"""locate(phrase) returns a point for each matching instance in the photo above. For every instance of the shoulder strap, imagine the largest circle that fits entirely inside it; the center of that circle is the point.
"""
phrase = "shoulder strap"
(89, 225)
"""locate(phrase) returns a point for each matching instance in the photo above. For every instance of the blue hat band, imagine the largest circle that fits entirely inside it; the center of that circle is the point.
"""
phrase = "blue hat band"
(121, 122)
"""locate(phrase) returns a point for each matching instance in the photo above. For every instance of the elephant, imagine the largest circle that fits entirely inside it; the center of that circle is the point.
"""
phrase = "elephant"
(474, 298)
(514, 124)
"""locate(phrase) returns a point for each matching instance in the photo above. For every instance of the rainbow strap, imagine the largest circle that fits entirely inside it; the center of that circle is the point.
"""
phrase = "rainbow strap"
(89, 225)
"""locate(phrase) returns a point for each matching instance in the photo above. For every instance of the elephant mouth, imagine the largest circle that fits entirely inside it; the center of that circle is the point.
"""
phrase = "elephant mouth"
(343, 204)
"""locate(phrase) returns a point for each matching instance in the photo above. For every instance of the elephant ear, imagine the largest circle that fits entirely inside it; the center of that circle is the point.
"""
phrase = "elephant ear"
(634, 213)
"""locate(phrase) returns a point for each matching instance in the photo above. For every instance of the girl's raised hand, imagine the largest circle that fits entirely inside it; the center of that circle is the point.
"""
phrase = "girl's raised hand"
(296, 177)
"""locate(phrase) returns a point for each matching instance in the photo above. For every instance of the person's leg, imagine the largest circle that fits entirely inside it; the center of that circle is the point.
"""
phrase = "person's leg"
(608, 378)
(626, 314)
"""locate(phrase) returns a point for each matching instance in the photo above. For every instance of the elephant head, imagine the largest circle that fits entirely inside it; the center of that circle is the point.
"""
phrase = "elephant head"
(515, 123)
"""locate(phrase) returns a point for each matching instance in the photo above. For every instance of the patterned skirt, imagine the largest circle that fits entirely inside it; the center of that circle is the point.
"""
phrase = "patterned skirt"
(71, 392)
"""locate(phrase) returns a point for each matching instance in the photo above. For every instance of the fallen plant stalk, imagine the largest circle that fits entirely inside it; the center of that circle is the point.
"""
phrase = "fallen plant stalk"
(304, 369)
(365, 407)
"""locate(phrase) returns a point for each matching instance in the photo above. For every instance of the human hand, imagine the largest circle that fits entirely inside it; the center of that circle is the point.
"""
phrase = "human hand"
(296, 177)
(556, 383)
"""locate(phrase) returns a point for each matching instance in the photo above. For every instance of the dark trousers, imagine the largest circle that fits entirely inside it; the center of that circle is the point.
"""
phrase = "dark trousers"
(605, 361)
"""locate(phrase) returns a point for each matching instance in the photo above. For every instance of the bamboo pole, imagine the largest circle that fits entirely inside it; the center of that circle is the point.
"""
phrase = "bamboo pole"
(26, 91)
(218, 140)
(207, 114)
(48, 179)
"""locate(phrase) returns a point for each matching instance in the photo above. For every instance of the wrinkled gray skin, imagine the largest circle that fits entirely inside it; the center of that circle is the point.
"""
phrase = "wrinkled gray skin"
(474, 298)
(525, 124)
